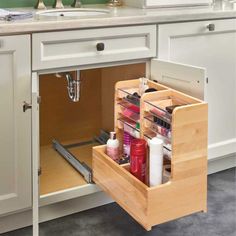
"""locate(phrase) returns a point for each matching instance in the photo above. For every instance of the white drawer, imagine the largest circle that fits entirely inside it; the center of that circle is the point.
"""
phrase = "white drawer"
(166, 3)
(79, 47)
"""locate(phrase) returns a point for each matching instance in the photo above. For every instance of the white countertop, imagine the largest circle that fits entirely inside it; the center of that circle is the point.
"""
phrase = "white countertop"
(119, 17)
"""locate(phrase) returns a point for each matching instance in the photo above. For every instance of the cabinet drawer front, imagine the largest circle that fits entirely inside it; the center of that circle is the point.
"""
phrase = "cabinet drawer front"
(168, 34)
(156, 205)
(72, 48)
(124, 188)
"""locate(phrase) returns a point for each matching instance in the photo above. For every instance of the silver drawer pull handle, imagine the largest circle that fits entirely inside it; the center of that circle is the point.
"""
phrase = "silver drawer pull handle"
(211, 27)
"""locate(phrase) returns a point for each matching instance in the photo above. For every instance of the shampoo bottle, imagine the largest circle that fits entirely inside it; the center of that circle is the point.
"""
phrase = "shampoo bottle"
(113, 147)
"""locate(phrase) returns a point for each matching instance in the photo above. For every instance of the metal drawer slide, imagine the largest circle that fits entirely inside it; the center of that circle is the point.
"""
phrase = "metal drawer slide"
(81, 167)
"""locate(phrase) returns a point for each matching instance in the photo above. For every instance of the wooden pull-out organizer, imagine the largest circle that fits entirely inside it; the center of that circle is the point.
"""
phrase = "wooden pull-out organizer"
(186, 192)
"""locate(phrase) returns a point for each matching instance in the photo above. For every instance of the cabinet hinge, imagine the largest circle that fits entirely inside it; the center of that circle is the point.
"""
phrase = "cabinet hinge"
(207, 80)
(39, 171)
(38, 99)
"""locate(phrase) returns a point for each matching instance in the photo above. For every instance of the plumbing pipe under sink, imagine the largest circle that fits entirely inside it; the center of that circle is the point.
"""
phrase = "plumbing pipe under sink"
(73, 85)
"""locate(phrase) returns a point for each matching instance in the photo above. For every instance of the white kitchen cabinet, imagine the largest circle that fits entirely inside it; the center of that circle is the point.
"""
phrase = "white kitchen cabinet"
(15, 124)
(212, 45)
(75, 124)
(54, 116)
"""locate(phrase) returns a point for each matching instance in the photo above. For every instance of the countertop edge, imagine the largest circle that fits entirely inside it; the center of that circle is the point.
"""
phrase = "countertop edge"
(28, 27)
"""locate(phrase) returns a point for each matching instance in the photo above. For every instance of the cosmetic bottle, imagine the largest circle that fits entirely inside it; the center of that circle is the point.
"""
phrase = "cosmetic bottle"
(138, 152)
(137, 130)
(155, 161)
(127, 138)
(166, 173)
(143, 85)
(113, 147)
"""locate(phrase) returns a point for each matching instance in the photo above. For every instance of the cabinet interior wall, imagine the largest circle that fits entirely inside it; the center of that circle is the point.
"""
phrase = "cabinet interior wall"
(71, 123)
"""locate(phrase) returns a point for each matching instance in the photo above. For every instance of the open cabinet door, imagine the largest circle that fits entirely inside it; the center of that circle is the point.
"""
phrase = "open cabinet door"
(184, 78)
(35, 152)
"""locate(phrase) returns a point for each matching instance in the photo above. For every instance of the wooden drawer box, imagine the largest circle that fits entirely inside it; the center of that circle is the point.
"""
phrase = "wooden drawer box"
(186, 191)
(79, 47)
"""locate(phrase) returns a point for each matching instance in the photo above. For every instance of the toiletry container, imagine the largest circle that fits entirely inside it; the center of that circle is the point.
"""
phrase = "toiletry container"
(166, 173)
(138, 152)
(113, 147)
(155, 161)
(127, 138)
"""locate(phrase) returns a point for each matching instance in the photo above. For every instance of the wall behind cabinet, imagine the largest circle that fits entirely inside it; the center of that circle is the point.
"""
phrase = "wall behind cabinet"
(31, 3)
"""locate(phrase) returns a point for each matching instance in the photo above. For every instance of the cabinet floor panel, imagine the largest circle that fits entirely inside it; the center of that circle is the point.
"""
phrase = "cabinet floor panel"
(57, 173)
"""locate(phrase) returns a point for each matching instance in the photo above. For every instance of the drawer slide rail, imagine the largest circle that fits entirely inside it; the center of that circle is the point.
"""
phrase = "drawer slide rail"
(81, 167)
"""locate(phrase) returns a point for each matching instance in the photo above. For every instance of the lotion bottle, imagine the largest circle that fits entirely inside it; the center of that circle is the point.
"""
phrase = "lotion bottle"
(155, 161)
(113, 147)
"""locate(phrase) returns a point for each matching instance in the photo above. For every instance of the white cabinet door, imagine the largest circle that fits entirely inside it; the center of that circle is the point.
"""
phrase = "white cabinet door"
(212, 45)
(188, 79)
(15, 124)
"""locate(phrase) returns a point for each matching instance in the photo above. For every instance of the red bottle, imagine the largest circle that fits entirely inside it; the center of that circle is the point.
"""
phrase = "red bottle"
(138, 151)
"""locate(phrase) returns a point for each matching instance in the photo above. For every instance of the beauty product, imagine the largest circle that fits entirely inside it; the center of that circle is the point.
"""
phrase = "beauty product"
(136, 131)
(123, 160)
(167, 151)
(155, 161)
(134, 99)
(143, 86)
(149, 90)
(170, 109)
(113, 147)
(138, 152)
(127, 138)
(161, 114)
(132, 129)
(166, 173)
(131, 112)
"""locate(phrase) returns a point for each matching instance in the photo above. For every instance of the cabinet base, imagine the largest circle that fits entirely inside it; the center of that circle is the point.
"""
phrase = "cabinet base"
(48, 212)
(221, 163)
(53, 211)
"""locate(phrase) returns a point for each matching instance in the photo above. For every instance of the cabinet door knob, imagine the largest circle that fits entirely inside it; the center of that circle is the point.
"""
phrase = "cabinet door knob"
(100, 47)
(211, 27)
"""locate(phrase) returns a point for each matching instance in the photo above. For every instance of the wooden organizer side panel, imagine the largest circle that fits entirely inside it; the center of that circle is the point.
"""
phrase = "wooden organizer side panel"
(124, 188)
(187, 190)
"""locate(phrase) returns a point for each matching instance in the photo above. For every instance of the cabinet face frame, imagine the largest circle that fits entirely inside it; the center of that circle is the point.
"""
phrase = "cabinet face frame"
(15, 124)
(35, 122)
(35, 152)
